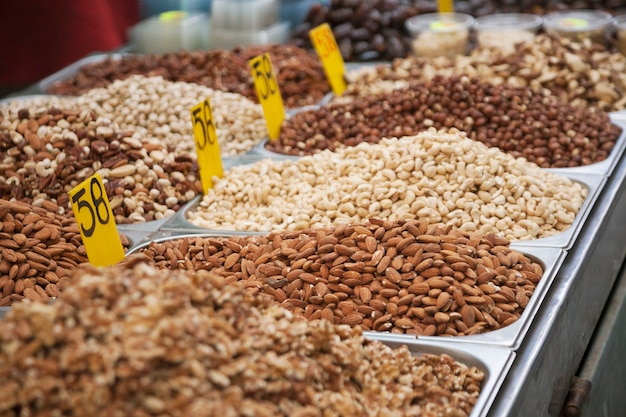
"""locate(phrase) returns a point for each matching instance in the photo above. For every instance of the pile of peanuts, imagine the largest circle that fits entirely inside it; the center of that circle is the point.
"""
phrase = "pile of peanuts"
(299, 72)
(403, 276)
(525, 123)
(46, 152)
(441, 177)
(38, 252)
(138, 341)
(582, 74)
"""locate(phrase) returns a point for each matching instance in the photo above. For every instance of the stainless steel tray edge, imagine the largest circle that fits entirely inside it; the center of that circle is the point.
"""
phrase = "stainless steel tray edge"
(494, 361)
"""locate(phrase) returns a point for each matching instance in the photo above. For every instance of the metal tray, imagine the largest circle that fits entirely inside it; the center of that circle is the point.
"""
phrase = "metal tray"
(494, 362)
(593, 182)
(509, 337)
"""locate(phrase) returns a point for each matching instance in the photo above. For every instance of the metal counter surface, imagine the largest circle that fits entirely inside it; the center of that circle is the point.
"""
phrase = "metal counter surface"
(555, 344)
(604, 363)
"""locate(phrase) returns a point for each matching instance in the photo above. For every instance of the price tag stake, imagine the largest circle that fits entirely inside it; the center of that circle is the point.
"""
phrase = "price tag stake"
(269, 93)
(93, 213)
(326, 47)
(207, 147)
(445, 6)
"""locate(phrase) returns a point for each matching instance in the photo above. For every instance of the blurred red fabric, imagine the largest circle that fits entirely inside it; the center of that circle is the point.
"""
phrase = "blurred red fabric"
(37, 38)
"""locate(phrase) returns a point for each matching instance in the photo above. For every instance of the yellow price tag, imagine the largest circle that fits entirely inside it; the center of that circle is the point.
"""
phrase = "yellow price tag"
(326, 47)
(207, 147)
(93, 213)
(446, 6)
(268, 92)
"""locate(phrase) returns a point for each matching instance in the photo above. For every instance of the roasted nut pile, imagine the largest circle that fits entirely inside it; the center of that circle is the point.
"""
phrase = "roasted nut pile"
(38, 251)
(518, 120)
(403, 276)
(435, 176)
(47, 152)
(581, 74)
(138, 341)
(299, 72)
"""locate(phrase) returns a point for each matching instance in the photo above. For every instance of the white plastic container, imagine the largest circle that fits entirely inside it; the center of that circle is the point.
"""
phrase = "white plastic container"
(505, 30)
(244, 15)
(228, 39)
(579, 25)
(440, 34)
(619, 22)
(170, 32)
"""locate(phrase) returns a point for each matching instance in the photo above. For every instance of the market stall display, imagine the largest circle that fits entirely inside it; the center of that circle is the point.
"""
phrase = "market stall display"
(429, 239)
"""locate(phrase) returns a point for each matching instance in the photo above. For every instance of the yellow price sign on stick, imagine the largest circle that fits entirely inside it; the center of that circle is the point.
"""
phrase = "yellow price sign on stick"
(268, 92)
(93, 213)
(326, 47)
(445, 6)
(207, 147)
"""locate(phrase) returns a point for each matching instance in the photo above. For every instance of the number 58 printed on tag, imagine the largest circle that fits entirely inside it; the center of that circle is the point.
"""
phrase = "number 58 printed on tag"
(93, 213)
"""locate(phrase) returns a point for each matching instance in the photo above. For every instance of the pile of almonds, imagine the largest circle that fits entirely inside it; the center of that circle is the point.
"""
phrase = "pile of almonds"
(520, 121)
(299, 72)
(403, 277)
(138, 341)
(38, 252)
(46, 152)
